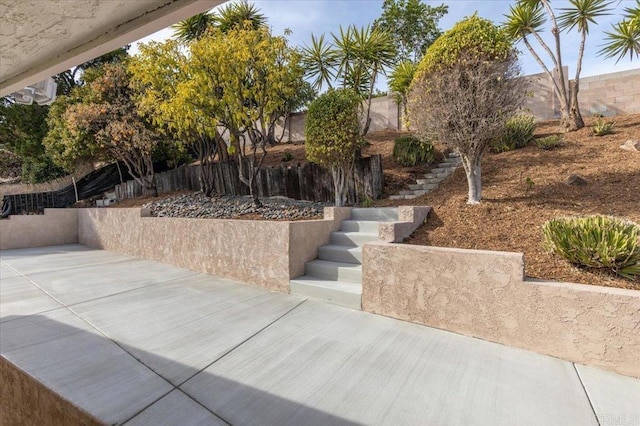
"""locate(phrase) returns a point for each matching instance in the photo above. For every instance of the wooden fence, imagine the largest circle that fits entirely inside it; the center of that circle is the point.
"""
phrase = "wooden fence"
(302, 182)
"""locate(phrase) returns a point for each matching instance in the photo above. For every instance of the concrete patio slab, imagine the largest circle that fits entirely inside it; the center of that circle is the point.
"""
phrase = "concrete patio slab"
(367, 369)
(88, 282)
(71, 358)
(42, 259)
(18, 296)
(175, 409)
(249, 356)
(179, 328)
(7, 272)
(615, 399)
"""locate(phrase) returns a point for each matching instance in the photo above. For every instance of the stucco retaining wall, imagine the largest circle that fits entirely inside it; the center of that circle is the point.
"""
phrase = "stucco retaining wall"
(484, 294)
(26, 401)
(264, 253)
(56, 226)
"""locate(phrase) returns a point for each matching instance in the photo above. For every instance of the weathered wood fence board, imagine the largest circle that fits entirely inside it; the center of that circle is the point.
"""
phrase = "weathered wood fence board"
(302, 182)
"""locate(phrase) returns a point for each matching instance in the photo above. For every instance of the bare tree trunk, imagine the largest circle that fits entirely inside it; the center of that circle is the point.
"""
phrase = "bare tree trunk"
(575, 117)
(339, 185)
(473, 170)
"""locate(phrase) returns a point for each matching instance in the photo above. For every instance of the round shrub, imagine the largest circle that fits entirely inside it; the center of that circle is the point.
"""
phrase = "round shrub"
(599, 242)
(333, 136)
(409, 151)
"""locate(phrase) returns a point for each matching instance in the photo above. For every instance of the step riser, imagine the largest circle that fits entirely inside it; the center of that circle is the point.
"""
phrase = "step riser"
(425, 187)
(353, 226)
(354, 240)
(434, 182)
(375, 214)
(336, 297)
(333, 273)
(329, 253)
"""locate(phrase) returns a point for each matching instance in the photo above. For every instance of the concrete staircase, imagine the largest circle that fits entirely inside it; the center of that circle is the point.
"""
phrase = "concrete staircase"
(431, 180)
(336, 276)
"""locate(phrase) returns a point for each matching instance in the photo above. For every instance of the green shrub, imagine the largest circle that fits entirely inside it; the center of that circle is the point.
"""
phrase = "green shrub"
(287, 156)
(333, 136)
(409, 151)
(596, 242)
(518, 132)
(549, 142)
(601, 127)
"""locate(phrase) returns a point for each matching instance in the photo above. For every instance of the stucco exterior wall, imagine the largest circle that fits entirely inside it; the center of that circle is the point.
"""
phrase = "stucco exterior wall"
(264, 253)
(26, 401)
(56, 226)
(483, 294)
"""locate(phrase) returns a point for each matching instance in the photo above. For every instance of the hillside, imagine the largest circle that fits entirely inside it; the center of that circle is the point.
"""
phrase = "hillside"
(524, 188)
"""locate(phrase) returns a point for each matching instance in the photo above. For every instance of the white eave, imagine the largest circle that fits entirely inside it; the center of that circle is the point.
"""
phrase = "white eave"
(41, 38)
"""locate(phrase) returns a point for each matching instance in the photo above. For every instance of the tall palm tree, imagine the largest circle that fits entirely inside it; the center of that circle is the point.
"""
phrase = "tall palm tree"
(528, 18)
(319, 61)
(355, 59)
(192, 28)
(625, 37)
(235, 14)
(225, 19)
(579, 15)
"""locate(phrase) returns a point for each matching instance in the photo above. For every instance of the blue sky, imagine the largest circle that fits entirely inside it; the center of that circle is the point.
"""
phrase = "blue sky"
(305, 17)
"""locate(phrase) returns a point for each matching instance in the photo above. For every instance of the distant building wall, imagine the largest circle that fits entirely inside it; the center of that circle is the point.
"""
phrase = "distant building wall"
(610, 94)
(607, 94)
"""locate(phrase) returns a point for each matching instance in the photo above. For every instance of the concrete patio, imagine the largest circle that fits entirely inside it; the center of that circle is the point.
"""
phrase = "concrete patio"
(138, 342)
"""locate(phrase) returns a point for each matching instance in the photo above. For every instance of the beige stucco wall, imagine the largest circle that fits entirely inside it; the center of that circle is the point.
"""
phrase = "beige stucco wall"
(483, 294)
(264, 253)
(26, 401)
(56, 226)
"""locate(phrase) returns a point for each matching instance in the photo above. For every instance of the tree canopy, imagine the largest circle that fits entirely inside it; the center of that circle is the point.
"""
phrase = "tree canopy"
(413, 25)
(464, 91)
(525, 22)
(333, 135)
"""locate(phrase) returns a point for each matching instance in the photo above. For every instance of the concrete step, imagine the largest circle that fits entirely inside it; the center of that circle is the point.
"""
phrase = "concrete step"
(429, 181)
(398, 197)
(380, 214)
(339, 253)
(438, 176)
(353, 239)
(414, 193)
(340, 293)
(454, 155)
(423, 186)
(453, 160)
(445, 166)
(359, 226)
(334, 271)
(440, 172)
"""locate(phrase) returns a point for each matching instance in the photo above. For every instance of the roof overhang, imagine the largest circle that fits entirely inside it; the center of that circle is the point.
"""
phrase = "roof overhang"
(42, 38)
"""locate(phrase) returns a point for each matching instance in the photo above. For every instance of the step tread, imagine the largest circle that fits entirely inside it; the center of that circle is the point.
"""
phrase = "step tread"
(341, 247)
(344, 286)
(332, 264)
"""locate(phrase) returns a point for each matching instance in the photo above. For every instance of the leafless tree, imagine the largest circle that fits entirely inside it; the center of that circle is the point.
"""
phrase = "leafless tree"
(466, 105)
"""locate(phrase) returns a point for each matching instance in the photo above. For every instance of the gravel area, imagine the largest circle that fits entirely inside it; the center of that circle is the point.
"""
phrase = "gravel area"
(235, 207)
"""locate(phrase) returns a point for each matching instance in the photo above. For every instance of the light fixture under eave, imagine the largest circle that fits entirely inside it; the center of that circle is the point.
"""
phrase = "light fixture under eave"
(43, 93)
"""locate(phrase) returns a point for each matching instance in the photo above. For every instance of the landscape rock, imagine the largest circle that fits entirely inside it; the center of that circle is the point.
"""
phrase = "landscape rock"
(576, 180)
(631, 145)
(197, 205)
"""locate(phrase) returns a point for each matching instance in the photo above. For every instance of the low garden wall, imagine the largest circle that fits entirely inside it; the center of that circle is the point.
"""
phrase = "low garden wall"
(26, 401)
(264, 253)
(56, 226)
(484, 294)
